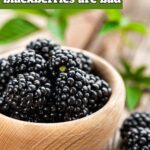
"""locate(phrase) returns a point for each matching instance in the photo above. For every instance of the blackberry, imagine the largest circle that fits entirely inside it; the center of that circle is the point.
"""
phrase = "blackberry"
(61, 60)
(64, 59)
(86, 62)
(43, 47)
(76, 96)
(99, 92)
(27, 61)
(4, 74)
(71, 95)
(137, 139)
(28, 97)
(135, 120)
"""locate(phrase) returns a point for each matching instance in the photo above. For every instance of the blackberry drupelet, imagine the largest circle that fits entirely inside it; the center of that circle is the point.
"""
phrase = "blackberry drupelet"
(86, 62)
(99, 92)
(135, 120)
(137, 139)
(76, 96)
(4, 74)
(28, 97)
(43, 47)
(27, 61)
(61, 60)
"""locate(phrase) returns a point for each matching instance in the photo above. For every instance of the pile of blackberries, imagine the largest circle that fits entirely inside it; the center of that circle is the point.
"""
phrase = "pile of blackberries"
(135, 132)
(47, 83)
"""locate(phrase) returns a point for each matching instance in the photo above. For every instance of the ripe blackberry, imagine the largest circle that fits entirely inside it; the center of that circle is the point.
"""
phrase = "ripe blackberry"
(27, 61)
(137, 139)
(61, 60)
(76, 96)
(135, 120)
(100, 92)
(43, 47)
(86, 62)
(4, 74)
(28, 97)
(71, 95)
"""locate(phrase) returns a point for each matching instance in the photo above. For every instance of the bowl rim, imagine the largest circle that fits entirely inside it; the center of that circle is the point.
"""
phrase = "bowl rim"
(102, 61)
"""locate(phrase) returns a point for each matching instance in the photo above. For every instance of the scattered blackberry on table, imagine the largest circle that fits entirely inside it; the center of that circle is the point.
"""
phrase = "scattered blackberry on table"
(135, 132)
(28, 97)
(4, 74)
(136, 120)
(137, 139)
(27, 61)
(76, 96)
(43, 47)
(61, 60)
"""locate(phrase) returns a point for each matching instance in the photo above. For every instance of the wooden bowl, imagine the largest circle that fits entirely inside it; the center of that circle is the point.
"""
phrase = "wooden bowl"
(88, 133)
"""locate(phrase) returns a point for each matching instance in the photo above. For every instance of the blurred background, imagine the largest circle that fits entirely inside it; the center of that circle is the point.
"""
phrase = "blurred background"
(120, 36)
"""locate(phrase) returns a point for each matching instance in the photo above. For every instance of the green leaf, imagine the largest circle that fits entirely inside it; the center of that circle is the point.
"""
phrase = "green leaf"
(140, 71)
(144, 80)
(39, 12)
(15, 29)
(108, 27)
(58, 27)
(114, 15)
(127, 67)
(124, 24)
(68, 12)
(136, 27)
(134, 95)
(58, 23)
(124, 21)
